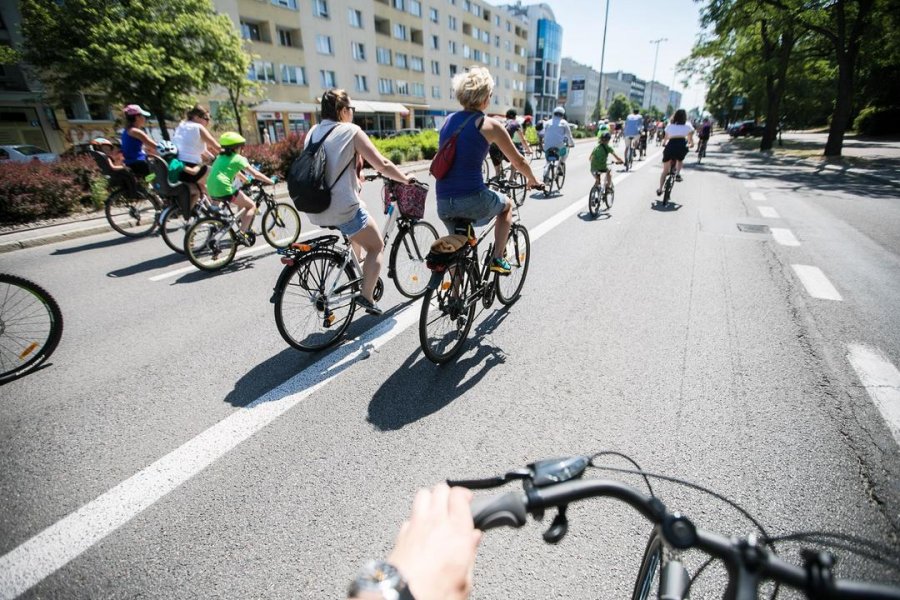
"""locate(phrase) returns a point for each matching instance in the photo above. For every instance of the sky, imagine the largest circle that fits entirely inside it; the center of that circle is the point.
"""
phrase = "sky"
(632, 25)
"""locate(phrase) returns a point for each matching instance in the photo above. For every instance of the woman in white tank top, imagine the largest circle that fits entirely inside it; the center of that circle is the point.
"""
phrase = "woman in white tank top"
(195, 143)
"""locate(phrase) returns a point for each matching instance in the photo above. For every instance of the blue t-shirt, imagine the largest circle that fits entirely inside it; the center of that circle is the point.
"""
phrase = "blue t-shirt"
(633, 125)
(464, 177)
(132, 148)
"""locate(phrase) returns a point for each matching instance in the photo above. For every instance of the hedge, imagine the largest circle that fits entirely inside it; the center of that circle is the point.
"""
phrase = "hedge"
(408, 148)
(275, 159)
(33, 191)
(878, 121)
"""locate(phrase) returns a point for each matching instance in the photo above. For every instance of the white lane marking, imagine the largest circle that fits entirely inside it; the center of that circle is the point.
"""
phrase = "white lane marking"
(245, 252)
(816, 283)
(758, 196)
(750, 184)
(881, 380)
(51, 549)
(768, 212)
(784, 236)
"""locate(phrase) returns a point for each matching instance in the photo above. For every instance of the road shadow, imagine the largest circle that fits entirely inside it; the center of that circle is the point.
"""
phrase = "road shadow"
(587, 216)
(239, 264)
(160, 262)
(94, 246)
(658, 206)
(418, 388)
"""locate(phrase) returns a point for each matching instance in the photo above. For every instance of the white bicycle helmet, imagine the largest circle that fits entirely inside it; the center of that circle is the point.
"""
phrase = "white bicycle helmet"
(166, 148)
(559, 110)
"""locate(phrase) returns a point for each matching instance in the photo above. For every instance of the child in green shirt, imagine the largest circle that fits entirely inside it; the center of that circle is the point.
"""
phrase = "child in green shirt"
(599, 157)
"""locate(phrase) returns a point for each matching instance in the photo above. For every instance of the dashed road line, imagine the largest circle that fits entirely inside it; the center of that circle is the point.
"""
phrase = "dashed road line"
(758, 196)
(881, 380)
(768, 212)
(816, 283)
(784, 236)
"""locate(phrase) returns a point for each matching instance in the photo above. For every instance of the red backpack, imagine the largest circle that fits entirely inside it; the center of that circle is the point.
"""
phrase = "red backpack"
(446, 154)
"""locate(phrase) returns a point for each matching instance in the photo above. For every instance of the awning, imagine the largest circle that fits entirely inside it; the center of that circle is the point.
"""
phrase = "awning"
(371, 106)
(295, 107)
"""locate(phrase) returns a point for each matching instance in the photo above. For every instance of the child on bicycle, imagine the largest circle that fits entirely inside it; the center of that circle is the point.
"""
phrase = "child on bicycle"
(599, 158)
(220, 183)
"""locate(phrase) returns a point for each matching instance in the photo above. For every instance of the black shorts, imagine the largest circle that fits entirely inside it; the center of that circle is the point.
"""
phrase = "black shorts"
(141, 168)
(497, 156)
(676, 149)
(186, 177)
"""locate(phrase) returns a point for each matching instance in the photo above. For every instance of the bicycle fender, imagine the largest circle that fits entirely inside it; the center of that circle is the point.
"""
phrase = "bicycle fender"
(435, 281)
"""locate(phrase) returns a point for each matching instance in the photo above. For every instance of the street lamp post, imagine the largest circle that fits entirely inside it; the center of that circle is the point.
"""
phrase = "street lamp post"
(602, 56)
(652, 77)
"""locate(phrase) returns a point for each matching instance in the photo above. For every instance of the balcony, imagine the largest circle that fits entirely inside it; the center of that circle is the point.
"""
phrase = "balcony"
(417, 36)
(382, 26)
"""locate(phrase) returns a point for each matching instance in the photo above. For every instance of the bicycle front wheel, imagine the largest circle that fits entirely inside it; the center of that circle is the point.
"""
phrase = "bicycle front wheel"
(519, 190)
(646, 585)
(31, 326)
(281, 225)
(210, 244)
(609, 197)
(407, 261)
(560, 176)
(314, 301)
(447, 313)
(594, 201)
(173, 226)
(132, 216)
(518, 255)
(549, 178)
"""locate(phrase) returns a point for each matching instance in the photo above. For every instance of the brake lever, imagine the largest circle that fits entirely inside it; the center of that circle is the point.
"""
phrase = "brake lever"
(491, 482)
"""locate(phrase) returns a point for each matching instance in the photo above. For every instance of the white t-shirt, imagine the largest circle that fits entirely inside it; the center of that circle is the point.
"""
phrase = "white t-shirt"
(679, 131)
(340, 152)
(189, 142)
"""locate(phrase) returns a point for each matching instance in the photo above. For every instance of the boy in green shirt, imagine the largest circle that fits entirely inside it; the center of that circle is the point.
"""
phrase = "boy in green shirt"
(599, 157)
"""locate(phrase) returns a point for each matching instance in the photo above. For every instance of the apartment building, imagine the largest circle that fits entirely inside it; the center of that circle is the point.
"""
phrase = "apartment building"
(544, 54)
(395, 58)
(579, 88)
(655, 94)
(675, 99)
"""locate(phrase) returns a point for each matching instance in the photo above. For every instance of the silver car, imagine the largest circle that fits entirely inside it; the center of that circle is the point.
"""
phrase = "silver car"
(26, 153)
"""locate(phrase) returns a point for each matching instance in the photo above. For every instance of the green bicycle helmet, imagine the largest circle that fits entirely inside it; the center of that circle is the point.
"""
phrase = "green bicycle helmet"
(231, 138)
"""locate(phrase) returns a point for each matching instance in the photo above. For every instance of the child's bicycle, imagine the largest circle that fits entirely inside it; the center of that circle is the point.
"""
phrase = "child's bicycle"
(211, 242)
(601, 195)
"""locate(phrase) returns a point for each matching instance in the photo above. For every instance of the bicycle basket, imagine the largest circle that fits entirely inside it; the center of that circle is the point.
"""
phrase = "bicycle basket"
(411, 199)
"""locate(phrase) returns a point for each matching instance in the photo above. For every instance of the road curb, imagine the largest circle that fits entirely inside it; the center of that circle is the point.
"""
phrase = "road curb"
(53, 238)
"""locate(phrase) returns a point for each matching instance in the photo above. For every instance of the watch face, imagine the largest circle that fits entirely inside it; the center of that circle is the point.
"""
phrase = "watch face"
(379, 579)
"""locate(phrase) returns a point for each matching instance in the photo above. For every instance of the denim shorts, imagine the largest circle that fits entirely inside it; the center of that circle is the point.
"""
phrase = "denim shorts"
(480, 207)
(356, 224)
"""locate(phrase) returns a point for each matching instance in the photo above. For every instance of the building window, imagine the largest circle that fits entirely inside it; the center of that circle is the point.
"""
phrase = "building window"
(399, 4)
(385, 86)
(361, 84)
(383, 56)
(262, 71)
(451, 22)
(497, 20)
(402, 88)
(359, 51)
(292, 4)
(417, 64)
(451, 46)
(435, 67)
(320, 8)
(435, 42)
(435, 91)
(415, 8)
(250, 31)
(323, 44)
(293, 75)
(400, 31)
(418, 90)
(452, 70)
(486, 37)
(355, 18)
(400, 61)
(433, 15)
(328, 79)
(508, 27)
(467, 52)
(286, 38)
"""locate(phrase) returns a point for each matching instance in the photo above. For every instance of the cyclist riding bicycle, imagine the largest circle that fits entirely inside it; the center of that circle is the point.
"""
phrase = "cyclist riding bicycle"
(557, 137)
(679, 136)
(220, 183)
(704, 133)
(517, 134)
(600, 157)
(462, 192)
(632, 129)
(136, 143)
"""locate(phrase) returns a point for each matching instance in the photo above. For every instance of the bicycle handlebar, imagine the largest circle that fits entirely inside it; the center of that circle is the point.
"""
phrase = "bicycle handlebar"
(747, 562)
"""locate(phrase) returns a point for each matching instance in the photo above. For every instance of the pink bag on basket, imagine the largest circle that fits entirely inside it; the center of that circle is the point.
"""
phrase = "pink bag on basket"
(410, 199)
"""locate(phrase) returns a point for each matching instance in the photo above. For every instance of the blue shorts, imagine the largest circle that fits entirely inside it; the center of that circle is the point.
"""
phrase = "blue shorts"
(356, 224)
(480, 207)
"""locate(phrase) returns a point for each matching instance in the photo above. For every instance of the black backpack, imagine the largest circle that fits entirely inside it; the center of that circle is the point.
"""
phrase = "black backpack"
(306, 178)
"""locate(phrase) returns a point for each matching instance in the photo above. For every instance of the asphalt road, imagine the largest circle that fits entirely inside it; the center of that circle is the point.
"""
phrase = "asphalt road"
(177, 447)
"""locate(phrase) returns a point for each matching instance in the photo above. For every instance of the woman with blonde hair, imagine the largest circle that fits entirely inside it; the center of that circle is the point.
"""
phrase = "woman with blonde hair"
(346, 142)
(462, 193)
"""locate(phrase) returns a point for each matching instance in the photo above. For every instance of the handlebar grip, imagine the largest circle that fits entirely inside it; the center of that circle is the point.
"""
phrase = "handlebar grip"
(498, 511)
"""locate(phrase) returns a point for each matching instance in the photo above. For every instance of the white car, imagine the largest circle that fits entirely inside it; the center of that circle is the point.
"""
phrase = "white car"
(26, 153)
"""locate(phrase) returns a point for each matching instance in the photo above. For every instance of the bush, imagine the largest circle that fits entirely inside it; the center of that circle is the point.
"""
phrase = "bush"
(874, 120)
(263, 157)
(34, 191)
(409, 147)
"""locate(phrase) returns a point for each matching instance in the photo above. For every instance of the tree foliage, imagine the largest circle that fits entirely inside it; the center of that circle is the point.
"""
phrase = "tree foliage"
(157, 53)
(619, 108)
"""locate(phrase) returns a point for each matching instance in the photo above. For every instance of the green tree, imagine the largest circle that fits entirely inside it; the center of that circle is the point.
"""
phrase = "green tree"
(619, 108)
(233, 77)
(155, 52)
(8, 56)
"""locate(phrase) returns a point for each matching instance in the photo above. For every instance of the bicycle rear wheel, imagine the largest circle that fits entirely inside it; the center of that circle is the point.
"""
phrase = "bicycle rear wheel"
(549, 178)
(609, 197)
(407, 261)
(518, 192)
(629, 156)
(485, 170)
(594, 201)
(210, 244)
(560, 176)
(31, 326)
(646, 585)
(314, 301)
(447, 313)
(518, 254)
(281, 225)
(173, 226)
(132, 216)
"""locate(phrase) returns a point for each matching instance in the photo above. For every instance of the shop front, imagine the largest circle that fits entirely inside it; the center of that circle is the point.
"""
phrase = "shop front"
(275, 120)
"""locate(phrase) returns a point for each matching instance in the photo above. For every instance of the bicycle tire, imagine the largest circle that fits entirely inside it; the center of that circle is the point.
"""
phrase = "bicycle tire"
(486, 170)
(560, 176)
(31, 326)
(132, 217)
(173, 227)
(281, 225)
(520, 189)
(407, 260)
(549, 178)
(518, 254)
(594, 201)
(650, 570)
(210, 244)
(629, 157)
(609, 197)
(453, 318)
(304, 317)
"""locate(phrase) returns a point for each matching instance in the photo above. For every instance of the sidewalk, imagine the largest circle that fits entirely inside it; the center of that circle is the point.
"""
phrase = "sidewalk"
(875, 158)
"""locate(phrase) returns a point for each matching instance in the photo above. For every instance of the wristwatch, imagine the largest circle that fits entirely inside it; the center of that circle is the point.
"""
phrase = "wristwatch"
(379, 580)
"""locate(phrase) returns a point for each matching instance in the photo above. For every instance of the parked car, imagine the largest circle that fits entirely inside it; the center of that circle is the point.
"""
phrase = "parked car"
(402, 132)
(26, 153)
(746, 128)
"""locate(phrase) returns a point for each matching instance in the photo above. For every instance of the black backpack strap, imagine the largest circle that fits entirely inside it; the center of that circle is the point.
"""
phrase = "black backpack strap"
(324, 137)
